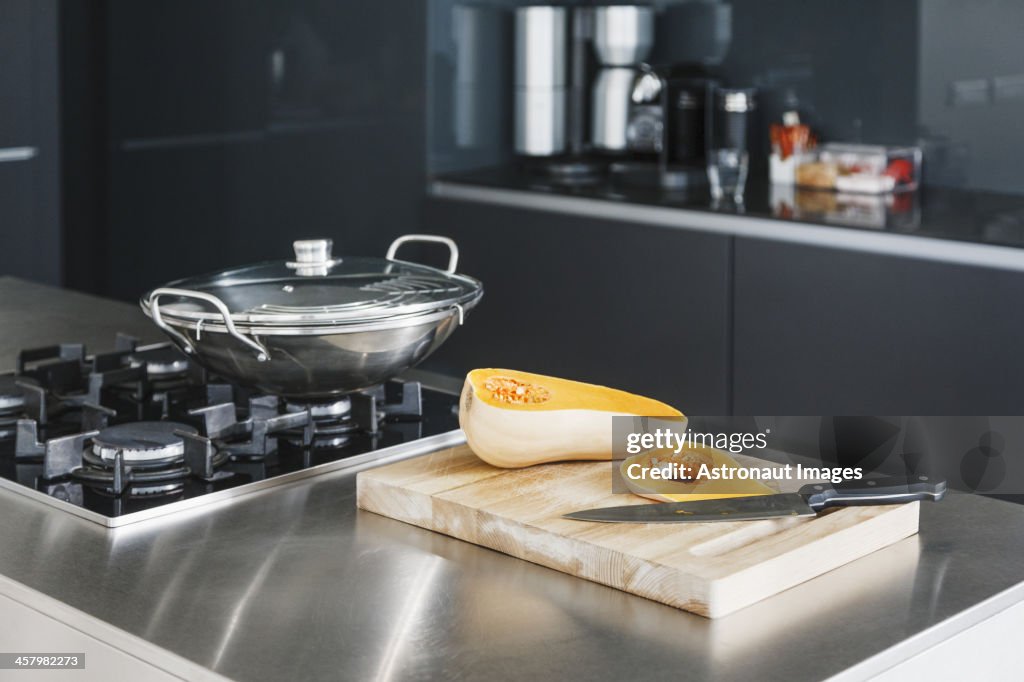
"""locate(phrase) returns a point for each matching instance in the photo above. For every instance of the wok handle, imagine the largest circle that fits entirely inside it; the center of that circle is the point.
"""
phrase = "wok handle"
(453, 249)
(262, 354)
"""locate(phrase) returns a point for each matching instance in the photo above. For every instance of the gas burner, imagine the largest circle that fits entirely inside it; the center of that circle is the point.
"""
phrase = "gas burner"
(160, 363)
(122, 433)
(325, 435)
(141, 444)
(136, 483)
(148, 458)
(323, 411)
(333, 422)
(325, 441)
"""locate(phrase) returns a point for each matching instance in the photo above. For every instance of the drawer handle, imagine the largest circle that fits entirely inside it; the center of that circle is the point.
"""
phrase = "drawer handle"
(17, 153)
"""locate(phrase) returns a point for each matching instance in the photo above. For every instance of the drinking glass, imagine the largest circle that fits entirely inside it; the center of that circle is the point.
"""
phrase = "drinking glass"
(727, 134)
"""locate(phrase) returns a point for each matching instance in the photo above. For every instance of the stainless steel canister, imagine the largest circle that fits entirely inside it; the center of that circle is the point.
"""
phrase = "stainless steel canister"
(541, 67)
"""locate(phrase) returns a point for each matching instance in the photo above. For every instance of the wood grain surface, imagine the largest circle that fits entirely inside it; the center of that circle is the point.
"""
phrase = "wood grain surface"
(711, 569)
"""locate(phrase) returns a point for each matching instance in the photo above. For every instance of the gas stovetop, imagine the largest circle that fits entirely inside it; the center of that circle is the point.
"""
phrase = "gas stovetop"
(143, 431)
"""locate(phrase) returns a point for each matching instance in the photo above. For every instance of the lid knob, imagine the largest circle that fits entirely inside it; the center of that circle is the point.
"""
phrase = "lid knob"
(313, 250)
(312, 257)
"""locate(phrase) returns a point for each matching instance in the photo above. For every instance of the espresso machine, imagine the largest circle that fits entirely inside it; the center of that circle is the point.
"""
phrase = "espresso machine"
(588, 103)
(666, 129)
(623, 38)
(575, 69)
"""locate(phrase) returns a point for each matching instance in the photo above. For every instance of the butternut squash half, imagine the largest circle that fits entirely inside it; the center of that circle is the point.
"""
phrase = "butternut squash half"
(517, 419)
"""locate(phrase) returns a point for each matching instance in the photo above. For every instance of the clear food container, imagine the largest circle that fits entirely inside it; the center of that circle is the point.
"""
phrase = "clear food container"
(860, 169)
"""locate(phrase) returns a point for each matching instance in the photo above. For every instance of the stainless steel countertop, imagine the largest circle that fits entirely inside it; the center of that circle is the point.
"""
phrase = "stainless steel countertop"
(295, 583)
(34, 314)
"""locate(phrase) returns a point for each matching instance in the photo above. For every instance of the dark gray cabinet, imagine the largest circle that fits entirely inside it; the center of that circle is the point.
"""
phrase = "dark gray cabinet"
(638, 307)
(29, 200)
(235, 128)
(16, 217)
(360, 183)
(826, 331)
(16, 19)
(180, 211)
(187, 67)
(717, 325)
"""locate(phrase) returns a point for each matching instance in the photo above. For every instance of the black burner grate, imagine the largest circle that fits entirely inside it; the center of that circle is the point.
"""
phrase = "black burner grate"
(143, 426)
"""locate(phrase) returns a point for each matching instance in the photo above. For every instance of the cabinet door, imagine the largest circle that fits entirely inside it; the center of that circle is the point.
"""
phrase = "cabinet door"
(21, 250)
(637, 307)
(16, 36)
(202, 176)
(360, 184)
(181, 211)
(29, 222)
(187, 67)
(339, 61)
(823, 331)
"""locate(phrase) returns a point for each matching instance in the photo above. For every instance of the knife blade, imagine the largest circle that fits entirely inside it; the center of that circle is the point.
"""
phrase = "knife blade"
(808, 501)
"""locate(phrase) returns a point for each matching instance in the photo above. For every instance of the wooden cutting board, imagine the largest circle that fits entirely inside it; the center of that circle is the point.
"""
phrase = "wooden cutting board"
(711, 568)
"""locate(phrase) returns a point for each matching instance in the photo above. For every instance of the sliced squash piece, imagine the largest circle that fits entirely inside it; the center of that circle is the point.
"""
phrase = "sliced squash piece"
(516, 419)
(690, 490)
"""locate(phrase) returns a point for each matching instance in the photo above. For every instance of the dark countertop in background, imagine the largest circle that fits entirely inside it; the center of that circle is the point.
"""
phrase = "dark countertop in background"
(31, 312)
(934, 212)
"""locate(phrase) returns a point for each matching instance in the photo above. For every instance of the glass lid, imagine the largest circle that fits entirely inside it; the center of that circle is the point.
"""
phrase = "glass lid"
(317, 288)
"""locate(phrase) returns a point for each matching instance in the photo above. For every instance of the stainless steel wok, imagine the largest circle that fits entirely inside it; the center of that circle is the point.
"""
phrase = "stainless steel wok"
(317, 326)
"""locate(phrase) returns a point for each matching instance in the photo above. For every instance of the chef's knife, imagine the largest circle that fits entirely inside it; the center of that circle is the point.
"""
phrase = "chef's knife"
(810, 500)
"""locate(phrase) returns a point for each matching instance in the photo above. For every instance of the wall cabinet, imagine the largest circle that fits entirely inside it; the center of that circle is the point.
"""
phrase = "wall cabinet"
(633, 306)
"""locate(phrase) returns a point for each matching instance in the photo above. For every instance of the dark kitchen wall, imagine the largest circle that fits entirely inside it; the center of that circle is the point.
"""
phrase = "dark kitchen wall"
(945, 74)
(214, 133)
(971, 89)
(470, 80)
(849, 68)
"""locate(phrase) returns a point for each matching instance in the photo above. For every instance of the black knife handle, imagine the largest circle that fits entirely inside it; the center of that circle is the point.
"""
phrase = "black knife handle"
(887, 490)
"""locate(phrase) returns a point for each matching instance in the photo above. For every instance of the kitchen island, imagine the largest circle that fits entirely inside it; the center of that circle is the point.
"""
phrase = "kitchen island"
(295, 583)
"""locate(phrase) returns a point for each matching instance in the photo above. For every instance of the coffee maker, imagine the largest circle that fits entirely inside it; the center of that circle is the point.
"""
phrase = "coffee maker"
(576, 70)
(666, 126)
(623, 36)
